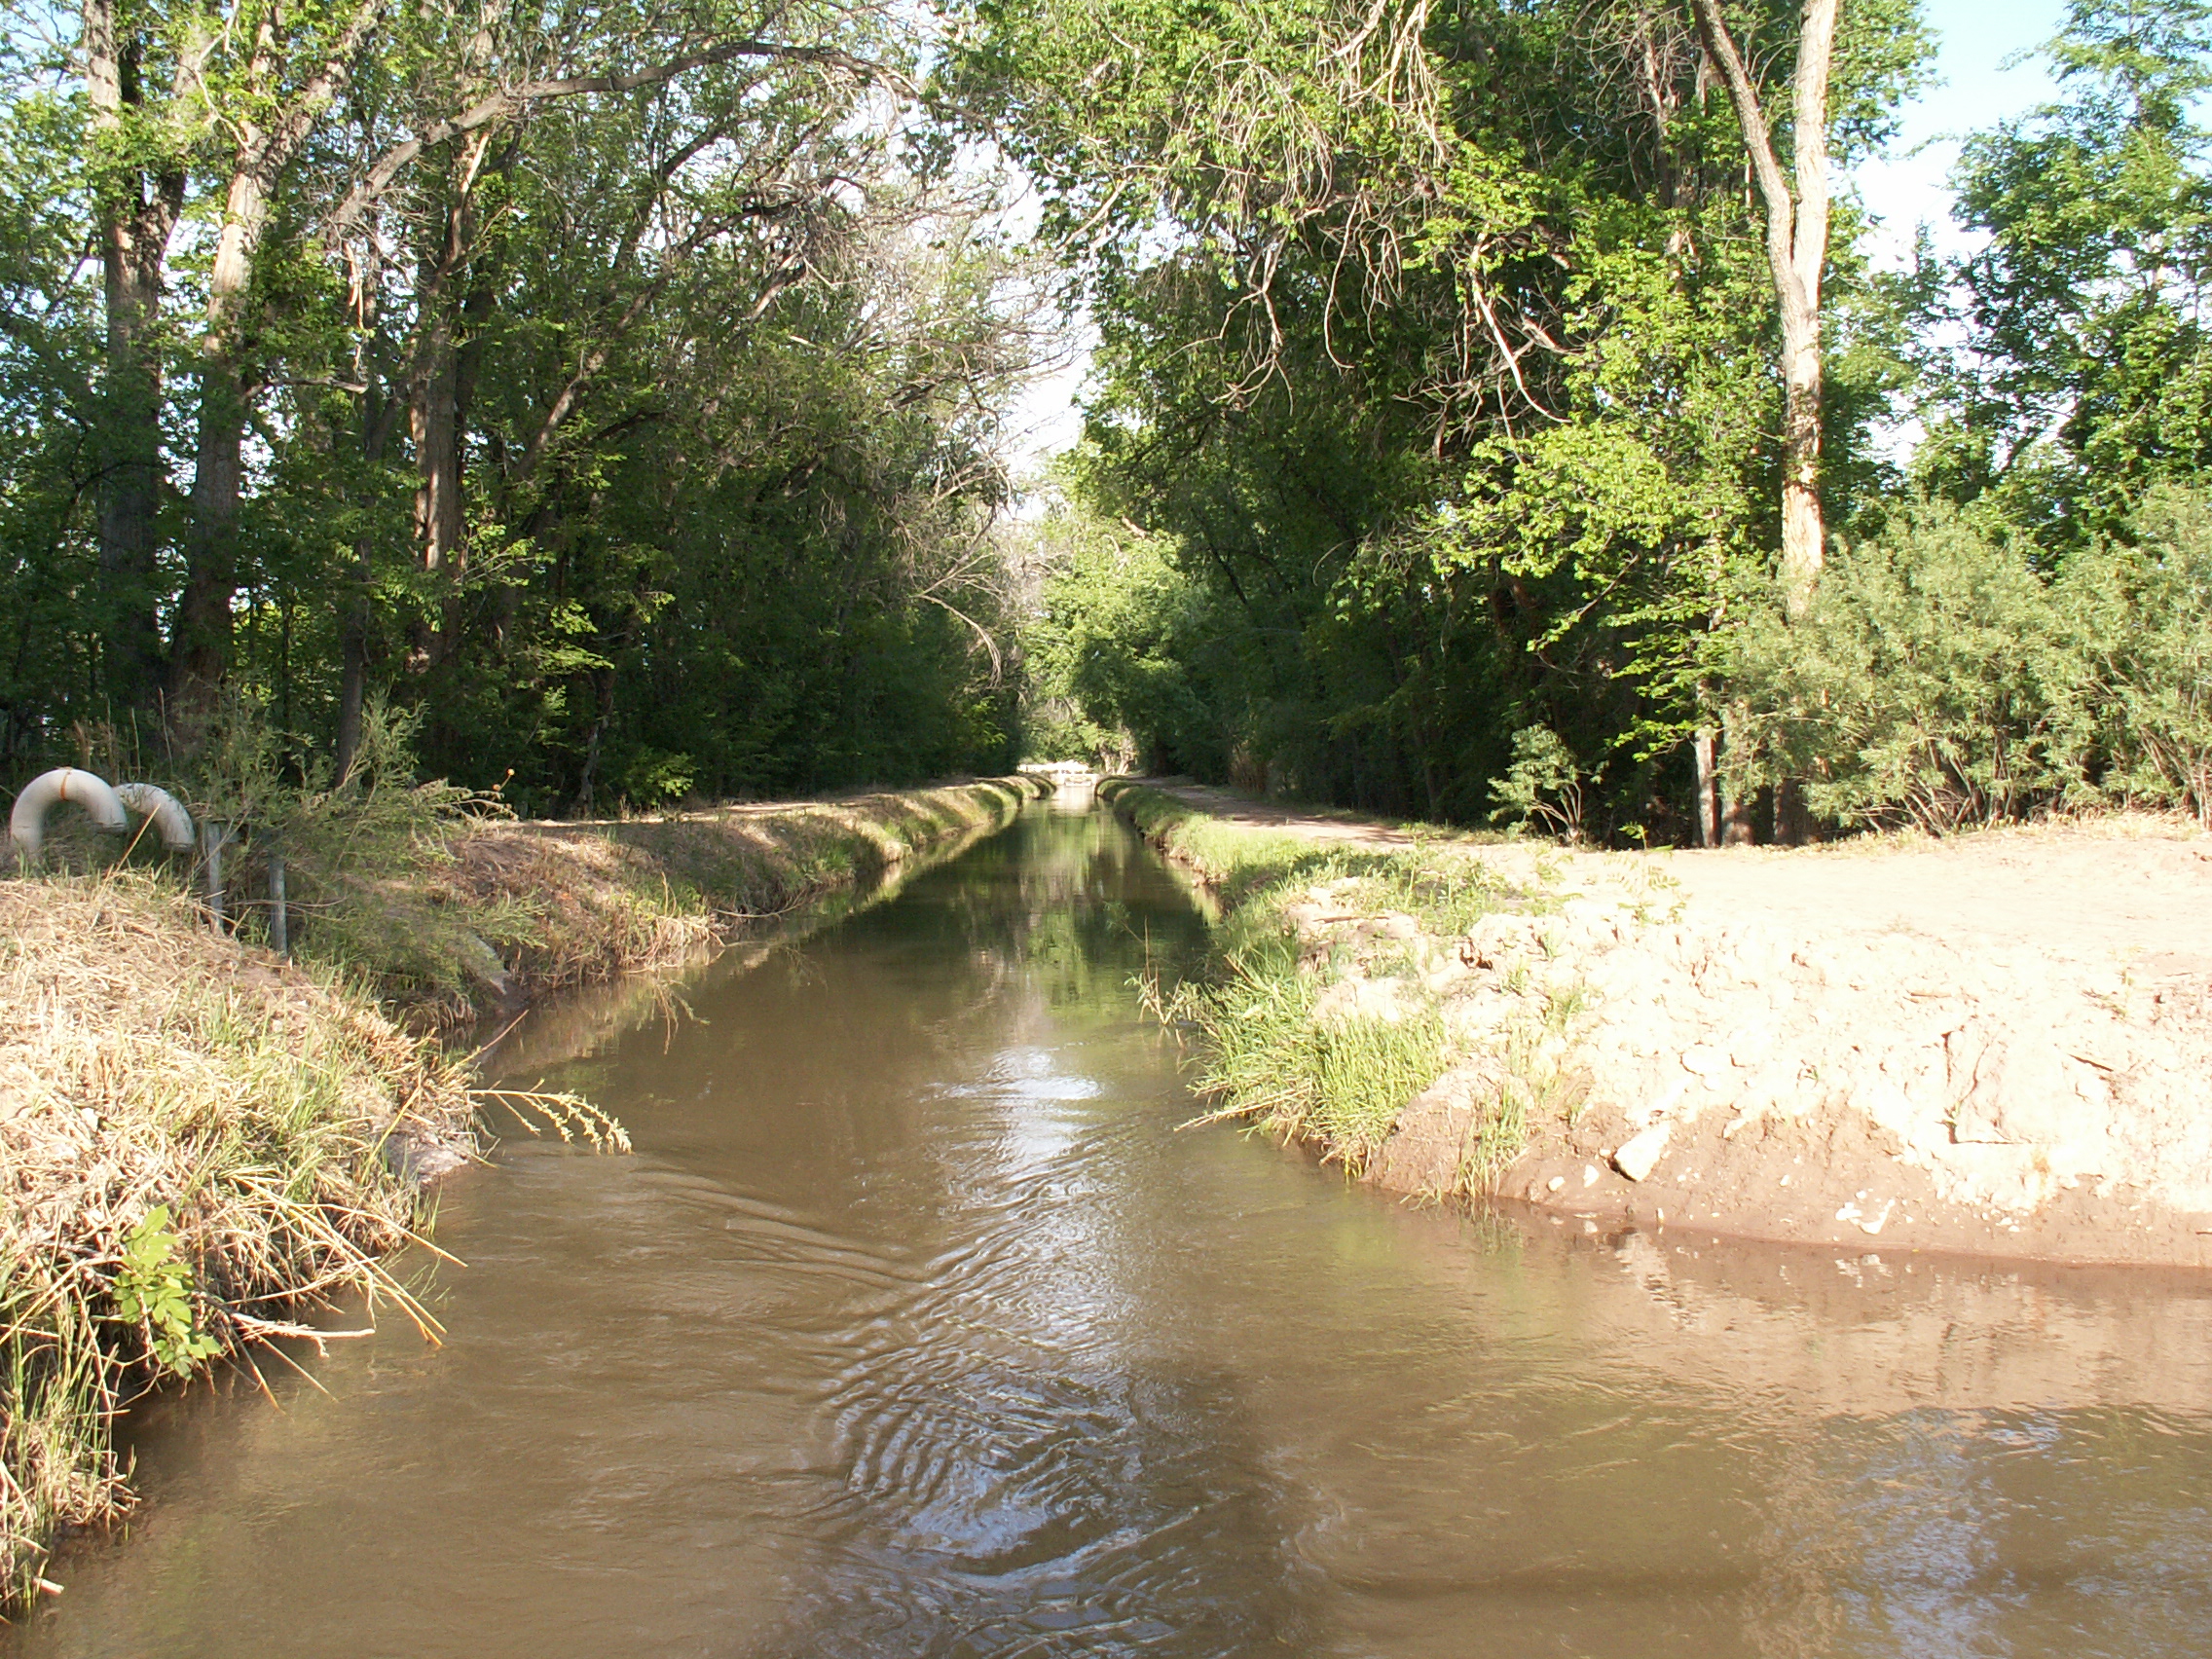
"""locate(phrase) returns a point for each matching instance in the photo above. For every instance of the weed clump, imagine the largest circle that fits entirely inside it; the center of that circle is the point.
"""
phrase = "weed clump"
(193, 1144)
(1279, 1047)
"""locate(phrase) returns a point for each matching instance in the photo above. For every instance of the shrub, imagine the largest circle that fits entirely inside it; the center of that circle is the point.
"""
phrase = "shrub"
(1934, 683)
(2143, 615)
(1542, 788)
(364, 854)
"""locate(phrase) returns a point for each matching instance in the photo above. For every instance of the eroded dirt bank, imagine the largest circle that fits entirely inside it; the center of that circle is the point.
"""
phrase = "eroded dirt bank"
(2000, 1044)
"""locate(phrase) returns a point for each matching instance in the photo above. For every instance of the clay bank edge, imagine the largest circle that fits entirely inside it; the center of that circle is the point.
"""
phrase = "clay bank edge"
(1617, 1043)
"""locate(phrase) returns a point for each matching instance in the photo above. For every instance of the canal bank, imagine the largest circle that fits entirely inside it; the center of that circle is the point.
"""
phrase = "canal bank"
(1996, 1044)
(200, 1141)
(915, 1326)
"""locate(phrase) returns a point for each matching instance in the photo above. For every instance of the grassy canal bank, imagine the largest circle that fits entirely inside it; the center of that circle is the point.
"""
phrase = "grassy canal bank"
(520, 909)
(200, 1141)
(1328, 1012)
(1991, 1044)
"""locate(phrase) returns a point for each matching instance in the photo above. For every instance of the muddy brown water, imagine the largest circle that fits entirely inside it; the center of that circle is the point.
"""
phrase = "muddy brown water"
(915, 1327)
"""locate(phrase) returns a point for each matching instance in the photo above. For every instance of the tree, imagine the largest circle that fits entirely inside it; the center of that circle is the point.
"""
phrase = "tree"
(2088, 376)
(1796, 252)
(1439, 351)
(615, 389)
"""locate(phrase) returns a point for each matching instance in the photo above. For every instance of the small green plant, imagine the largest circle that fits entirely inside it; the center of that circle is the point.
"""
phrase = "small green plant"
(153, 1290)
(656, 777)
(1543, 787)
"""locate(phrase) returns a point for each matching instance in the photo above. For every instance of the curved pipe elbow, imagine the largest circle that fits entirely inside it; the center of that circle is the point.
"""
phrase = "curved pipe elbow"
(151, 800)
(26, 824)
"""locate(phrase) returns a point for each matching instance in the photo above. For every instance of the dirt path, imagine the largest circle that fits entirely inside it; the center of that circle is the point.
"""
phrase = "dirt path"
(1998, 1044)
(2137, 888)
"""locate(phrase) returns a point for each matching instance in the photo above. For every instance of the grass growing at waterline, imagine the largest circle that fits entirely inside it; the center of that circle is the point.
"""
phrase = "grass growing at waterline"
(1338, 1081)
(195, 1143)
(1320, 1022)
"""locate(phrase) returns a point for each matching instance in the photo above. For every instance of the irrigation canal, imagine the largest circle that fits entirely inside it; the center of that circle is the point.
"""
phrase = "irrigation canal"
(914, 1327)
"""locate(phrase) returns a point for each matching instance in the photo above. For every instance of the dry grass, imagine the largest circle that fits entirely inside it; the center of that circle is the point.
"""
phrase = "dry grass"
(195, 1139)
(147, 1065)
(573, 903)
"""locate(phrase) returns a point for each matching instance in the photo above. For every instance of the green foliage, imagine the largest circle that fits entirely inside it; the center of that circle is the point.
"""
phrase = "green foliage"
(1435, 351)
(2143, 610)
(1110, 673)
(1543, 787)
(656, 778)
(1269, 1051)
(153, 1290)
(1932, 684)
(2090, 377)
(637, 444)
(1339, 1082)
(1941, 681)
(363, 854)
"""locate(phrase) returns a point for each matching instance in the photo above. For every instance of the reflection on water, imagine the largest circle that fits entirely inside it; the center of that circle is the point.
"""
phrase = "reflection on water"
(916, 1328)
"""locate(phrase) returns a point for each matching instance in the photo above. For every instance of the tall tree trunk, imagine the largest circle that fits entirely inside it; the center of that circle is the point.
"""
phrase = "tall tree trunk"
(438, 413)
(200, 651)
(354, 660)
(137, 215)
(1706, 801)
(449, 360)
(434, 416)
(356, 619)
(1796, 249)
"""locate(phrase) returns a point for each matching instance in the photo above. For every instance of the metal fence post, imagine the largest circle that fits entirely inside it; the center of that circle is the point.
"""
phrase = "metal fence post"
(215, 833)
(280, 929)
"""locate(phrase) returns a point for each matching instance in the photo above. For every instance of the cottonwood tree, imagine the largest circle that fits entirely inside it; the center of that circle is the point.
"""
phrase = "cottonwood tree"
(1796, 206)
(2086, 373)
(1440, 352)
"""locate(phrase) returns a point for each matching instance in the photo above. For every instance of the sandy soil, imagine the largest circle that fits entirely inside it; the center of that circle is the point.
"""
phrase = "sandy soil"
(2000, 1044)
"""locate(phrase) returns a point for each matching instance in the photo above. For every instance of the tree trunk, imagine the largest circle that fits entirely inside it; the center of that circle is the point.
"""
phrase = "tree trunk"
(1739, 814)
(1796, 248)
(1792, 819)
(1708, 822)
(443, 382)
(137, 217)
(587, 785)
(354, 661)
(445, 385)
(200, 651)
(354, 623)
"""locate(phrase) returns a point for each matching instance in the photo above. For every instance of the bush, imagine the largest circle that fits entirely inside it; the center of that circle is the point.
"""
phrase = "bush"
(363, 854)
(2143, 615)
(1935, 683)
(1542, 788)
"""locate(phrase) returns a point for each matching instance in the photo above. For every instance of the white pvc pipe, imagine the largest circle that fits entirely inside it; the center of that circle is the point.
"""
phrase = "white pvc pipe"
(150, 800)
(26, 824)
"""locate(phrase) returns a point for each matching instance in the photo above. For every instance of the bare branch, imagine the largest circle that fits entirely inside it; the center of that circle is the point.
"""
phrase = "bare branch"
(509, 101)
